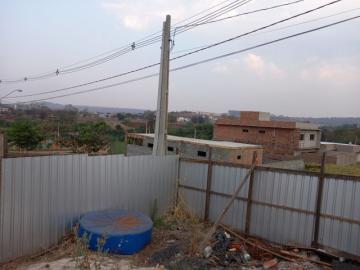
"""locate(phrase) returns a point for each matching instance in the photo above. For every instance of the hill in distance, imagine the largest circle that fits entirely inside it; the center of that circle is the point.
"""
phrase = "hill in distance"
(322, 121)
(93, 109)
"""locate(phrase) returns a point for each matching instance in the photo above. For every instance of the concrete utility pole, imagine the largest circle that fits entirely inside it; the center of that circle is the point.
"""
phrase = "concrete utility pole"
(160, 140)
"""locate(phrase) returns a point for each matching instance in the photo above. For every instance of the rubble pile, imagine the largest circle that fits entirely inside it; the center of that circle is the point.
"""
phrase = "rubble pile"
(232, 251)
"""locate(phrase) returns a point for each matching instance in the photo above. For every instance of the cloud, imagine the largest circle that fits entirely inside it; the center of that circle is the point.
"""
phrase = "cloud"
(135, 22)
(332, 72)
(255, 63)
(128, 16)
(260, 67)
(221, 69)
(140, 14)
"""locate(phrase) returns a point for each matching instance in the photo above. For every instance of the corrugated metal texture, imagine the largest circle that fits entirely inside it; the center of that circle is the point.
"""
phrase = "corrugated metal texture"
(193, 175)
(284, 204)
(283, 224)
(225, 180)
(341, 199)
(42, 197)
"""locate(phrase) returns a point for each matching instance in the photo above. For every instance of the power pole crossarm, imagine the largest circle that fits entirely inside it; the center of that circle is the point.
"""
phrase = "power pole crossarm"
(160, 139)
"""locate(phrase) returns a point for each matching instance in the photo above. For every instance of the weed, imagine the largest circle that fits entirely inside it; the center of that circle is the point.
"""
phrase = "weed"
(80, 252)
(163, 223)
(154, 210)
(353, 169)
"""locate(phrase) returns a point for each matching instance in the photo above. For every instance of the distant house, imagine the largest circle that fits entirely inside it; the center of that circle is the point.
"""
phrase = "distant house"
(233, 113)
(142, 144)
(104, 115)
(182, 119)
(282, 140)
(336, 153)
(4, 109)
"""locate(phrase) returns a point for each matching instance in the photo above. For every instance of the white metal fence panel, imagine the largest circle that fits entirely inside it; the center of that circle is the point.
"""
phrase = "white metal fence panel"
(283, 206)
(193, 175)
(225, 180)
(341, 198)
(42, 197)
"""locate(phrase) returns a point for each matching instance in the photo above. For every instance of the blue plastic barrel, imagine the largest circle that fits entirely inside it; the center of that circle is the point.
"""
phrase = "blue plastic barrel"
(116, 231)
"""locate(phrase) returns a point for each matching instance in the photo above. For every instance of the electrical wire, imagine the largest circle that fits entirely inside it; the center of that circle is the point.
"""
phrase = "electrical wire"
(279, 28)
(199, 62)
(257, 29)
(221, 11)
(183, 55)
(117, 52)
(244, 13)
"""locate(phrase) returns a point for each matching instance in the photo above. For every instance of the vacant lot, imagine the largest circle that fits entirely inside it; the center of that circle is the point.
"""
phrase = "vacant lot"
(336, 169)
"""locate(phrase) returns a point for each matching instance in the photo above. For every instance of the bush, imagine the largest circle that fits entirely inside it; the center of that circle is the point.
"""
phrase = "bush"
(25, 134)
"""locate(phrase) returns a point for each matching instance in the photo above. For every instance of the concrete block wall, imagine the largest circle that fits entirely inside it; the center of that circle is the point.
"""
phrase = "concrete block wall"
(242, 156)
(316, 158)
(298, 164)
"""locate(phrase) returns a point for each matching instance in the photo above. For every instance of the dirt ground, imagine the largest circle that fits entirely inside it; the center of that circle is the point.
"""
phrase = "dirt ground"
(176, 245)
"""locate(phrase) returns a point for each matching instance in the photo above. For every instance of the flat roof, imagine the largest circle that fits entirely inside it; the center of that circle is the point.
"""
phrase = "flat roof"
(339, 143)
(266, 124)
(220, 144)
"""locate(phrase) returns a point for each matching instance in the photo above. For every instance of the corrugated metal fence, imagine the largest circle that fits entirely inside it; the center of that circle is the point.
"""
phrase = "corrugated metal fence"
(282, 206)
(42, 197)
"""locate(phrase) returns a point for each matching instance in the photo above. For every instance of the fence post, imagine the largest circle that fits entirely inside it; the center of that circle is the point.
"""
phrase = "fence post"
(3, 145)
(208, 186)
(178, 176)
(319, 195)
(249, 198)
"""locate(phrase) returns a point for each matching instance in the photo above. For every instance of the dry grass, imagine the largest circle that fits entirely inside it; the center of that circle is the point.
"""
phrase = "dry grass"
(183, 221)
(180, 226)
(353, 169)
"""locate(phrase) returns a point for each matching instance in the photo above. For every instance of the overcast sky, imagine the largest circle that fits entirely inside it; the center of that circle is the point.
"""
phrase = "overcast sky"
(313, 75)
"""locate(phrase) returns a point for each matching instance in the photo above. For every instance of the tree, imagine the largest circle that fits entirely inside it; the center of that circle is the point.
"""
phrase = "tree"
(92, 136)
(25, 134)
(121, 116)
(172, 118)
(203, 131)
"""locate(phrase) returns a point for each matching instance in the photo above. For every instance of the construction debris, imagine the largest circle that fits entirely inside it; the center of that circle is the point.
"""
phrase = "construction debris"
(176, 240)
(270, 264)
(231, 250)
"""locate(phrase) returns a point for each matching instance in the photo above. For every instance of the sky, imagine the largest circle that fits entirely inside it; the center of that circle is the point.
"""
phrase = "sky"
(317, 74)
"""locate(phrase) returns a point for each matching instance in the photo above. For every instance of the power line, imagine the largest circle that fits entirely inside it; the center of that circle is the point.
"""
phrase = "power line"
(279, 28)
(209, 17)
(88, 83)
(118, 52)
(156, 39)
(199, 62)
(242, 14)
(183, 55)
(258, 29)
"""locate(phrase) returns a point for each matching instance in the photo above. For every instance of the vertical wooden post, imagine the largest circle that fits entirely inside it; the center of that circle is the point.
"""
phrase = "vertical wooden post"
(178, 176)
(3, 145)
(208, 186)
(319, 195)
(249, 197)
(126, 143)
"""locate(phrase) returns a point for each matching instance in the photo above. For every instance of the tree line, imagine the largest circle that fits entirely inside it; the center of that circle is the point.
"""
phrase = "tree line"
(89, 137)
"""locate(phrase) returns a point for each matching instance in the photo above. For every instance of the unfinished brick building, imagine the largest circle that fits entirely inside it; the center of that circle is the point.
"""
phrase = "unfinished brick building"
(282, 140)
(142, 144)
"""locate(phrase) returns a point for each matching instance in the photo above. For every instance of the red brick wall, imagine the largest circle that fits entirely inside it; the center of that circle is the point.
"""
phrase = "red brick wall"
(252, 116)
(277, 142)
